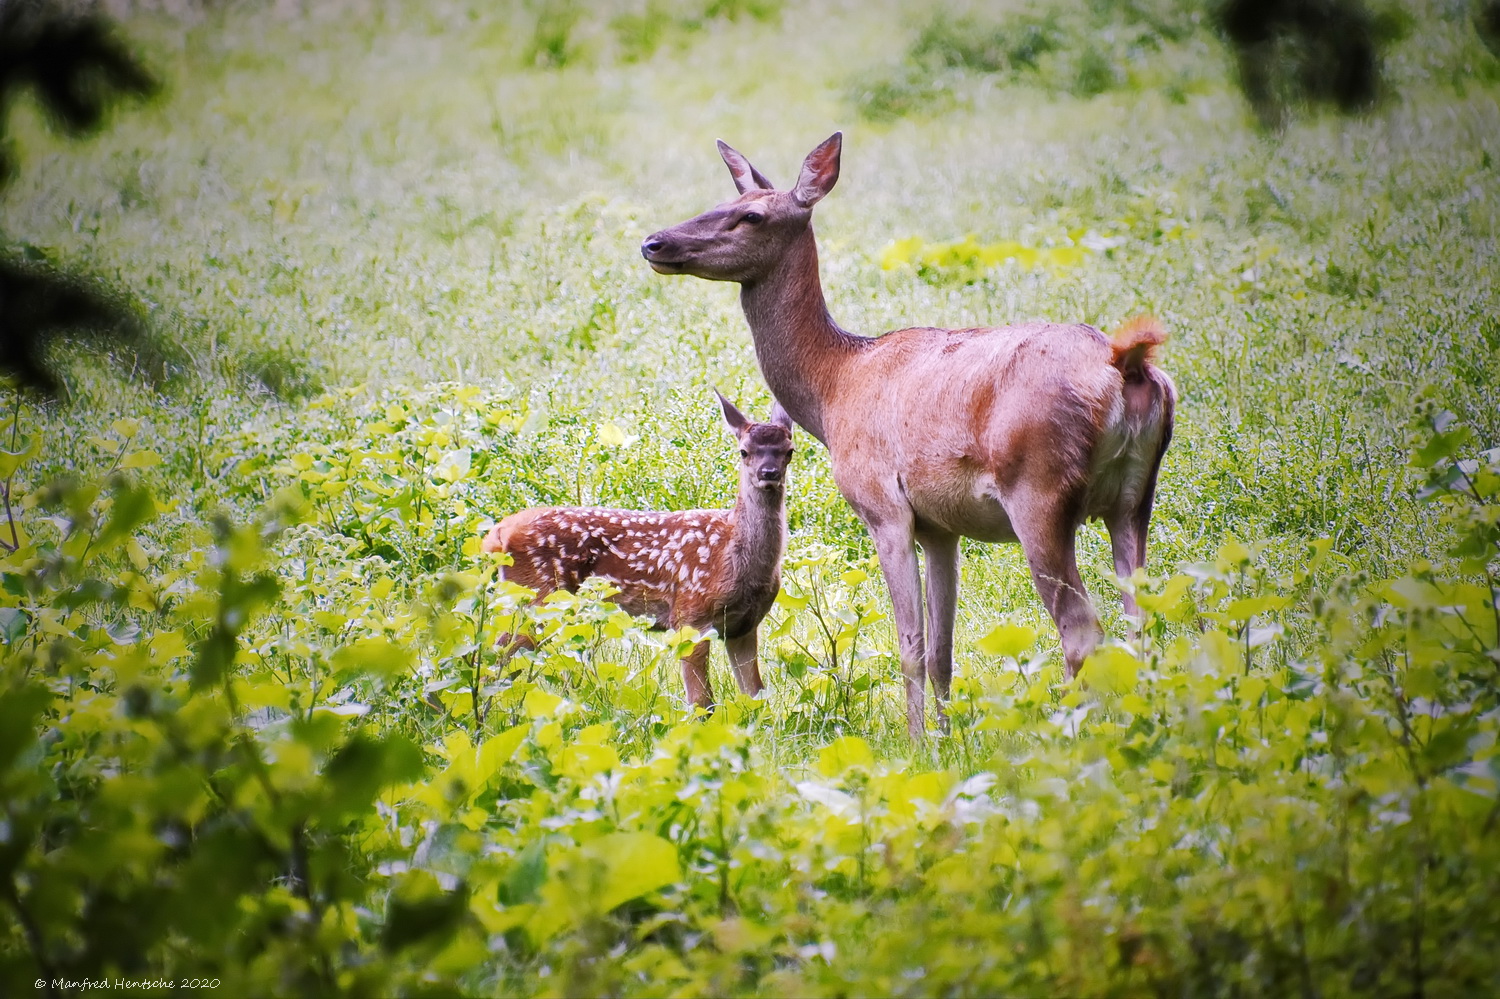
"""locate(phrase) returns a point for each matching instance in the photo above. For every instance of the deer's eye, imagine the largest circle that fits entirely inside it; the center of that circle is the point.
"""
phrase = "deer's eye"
(744, 453)
(752, 217)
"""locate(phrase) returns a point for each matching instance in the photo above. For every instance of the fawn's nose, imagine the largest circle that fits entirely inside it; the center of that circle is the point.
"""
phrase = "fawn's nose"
(652, 245)
(771, 474)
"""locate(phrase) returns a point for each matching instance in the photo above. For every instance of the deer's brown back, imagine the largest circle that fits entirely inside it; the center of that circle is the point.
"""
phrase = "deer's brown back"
(667, 566)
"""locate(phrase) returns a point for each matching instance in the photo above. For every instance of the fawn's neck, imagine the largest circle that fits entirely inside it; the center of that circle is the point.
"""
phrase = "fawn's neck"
(759, 532)
(798, 345)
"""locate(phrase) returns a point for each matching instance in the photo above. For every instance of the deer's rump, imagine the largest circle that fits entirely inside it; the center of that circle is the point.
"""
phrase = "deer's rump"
(968, 423)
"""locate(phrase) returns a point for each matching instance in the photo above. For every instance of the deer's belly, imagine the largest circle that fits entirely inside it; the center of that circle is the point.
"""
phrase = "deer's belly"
(641, 600)
(979, 517)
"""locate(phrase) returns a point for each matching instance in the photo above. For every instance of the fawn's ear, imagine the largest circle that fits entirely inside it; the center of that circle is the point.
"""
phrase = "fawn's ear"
(780, 417)
(732, 416)
(746, 177)
(820, 171)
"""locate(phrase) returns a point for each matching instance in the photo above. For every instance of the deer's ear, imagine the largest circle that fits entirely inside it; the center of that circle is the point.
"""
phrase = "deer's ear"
(732, 416)
(820, 171)
(746, 177)
(780, 417)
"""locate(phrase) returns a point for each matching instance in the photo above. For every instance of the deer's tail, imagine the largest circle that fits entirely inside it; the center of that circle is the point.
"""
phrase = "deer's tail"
(1134, 344)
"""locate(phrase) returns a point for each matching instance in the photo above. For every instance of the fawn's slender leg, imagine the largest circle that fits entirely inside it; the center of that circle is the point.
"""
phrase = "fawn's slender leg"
(742, 659)
(695, 677)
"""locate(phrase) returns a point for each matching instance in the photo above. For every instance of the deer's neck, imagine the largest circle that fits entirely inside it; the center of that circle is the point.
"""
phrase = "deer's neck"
(798, 345)
(759, 533)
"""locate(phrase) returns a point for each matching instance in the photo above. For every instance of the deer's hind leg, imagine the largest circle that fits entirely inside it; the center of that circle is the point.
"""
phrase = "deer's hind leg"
(1045, 526)
(941, 552)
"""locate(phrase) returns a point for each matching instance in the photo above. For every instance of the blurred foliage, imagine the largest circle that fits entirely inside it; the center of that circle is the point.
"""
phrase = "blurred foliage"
(1084, 50)
(1291, 52)
(77, 68)
(315, 776)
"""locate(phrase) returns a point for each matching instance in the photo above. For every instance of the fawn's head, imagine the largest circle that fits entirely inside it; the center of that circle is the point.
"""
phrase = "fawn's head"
(742, 240)
(765, 448)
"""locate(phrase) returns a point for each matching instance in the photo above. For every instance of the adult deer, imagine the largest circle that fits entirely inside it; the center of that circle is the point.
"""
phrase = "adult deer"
(718, 569)
(1016, 433)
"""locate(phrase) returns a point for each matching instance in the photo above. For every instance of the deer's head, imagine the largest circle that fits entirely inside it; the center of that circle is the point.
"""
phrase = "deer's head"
(743, 239)
(765, 448)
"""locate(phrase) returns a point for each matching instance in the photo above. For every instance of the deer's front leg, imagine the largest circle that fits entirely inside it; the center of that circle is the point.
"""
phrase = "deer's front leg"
(898, 560)
(742, 659)
(695, 676)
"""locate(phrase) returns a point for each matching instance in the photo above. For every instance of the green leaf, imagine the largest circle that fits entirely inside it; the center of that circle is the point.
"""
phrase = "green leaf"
(1007, 640)
(375, 655)
(583, 762)
(363, 766)
(634, 863)
(19, 710)
(141, 459)
(132, 506)
(13, 624)
(1111, 670)
(612, 436)
(839, 756)
(419, 910)
(454, 466)
(524, 879)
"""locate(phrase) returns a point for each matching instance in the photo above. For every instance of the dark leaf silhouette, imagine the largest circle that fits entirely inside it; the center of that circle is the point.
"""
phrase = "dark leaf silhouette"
(39, 305)
(77, 68)
(73, 61)
(1487, 22)
(1304, 51)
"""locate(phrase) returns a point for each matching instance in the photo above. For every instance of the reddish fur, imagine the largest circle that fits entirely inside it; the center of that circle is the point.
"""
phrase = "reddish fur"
(1016, 433)
(704, 569)
(1134, 344)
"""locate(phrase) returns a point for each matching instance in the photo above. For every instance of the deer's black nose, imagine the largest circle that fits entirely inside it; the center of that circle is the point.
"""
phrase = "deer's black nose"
(652, 245)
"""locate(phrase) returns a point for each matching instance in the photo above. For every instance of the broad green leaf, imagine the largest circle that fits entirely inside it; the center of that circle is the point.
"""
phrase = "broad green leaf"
(839, 756)
(374, 655)
(1007, 640)
(611, 435)
(1111, 670)
(454, 466)
(541, 704)
(141, 459)
(582, 762)
(635, 863)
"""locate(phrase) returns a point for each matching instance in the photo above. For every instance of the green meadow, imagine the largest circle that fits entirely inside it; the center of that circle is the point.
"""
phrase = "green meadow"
(255, 728)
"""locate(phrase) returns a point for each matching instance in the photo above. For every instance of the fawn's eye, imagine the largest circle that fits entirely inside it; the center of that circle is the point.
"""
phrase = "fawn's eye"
(744, 453)
(752, 217)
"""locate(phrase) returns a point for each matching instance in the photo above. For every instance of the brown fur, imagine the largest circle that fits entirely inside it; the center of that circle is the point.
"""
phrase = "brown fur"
(1015, 433)
(704, 569)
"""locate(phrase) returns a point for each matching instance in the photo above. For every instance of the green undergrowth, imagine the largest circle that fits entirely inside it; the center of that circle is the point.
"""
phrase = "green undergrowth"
(259, 719)
(279, 756)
